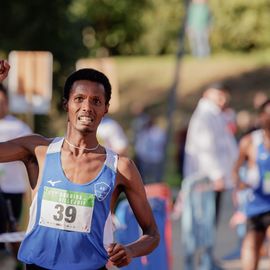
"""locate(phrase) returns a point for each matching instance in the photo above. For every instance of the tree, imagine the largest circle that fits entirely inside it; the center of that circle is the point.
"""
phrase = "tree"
(109, 27)
(240, 25)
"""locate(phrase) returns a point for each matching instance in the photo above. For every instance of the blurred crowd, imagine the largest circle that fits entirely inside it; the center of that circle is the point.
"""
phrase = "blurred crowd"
(230, 151)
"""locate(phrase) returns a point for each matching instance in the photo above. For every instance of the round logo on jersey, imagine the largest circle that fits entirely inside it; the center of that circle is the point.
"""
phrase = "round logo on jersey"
(102, 190)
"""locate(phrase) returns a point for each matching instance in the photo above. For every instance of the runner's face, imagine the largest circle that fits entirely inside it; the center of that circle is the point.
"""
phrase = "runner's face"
(86, 105)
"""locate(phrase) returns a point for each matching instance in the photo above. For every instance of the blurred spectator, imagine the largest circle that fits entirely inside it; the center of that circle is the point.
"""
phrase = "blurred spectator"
(254, 152)
(13, 179)
(110, 134)
(139, 120)
(244, 121)
(210, 153)
(149, 149)
(13, 175)
(210, 148)
(198, 26)
(249, 121)
(259, 98)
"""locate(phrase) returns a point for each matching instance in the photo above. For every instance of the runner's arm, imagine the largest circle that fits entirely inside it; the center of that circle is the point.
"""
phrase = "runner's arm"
(131, 183)
(26, 149)
(244, 145)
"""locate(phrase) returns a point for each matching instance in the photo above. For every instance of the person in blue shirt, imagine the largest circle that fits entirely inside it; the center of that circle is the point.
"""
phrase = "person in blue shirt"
(76, 183)
(254, 151)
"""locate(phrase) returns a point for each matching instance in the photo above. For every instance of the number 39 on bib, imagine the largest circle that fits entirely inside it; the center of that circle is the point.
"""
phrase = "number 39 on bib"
(66, 210)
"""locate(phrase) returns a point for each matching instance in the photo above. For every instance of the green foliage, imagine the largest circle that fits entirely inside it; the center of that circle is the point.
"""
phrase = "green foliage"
(161, 23)
(78, 28)
(109, 27)
(128, 27)
(240, 25)
(38, 25)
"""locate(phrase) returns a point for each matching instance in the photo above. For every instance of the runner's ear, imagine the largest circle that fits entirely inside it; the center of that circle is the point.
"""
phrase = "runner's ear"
(64, 104)
(107, 108)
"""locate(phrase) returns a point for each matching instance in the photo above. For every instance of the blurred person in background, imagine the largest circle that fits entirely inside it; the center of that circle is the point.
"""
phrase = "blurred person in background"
(198, 27)
(244, 122)
(149, 149)
(140, 118)
(211, 149)
(75, 183)
(111, 135)
(13, 175)
(210, 153)
(254, 153)
(258, 99)
(247, 123)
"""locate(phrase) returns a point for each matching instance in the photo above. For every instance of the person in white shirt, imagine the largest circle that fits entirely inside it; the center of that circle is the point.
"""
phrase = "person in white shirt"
(112, 135)
(13, 175)
(211, 149)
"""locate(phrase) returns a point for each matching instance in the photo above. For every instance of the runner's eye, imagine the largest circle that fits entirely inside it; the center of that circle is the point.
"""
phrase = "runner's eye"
(96, 101)
(78, 99)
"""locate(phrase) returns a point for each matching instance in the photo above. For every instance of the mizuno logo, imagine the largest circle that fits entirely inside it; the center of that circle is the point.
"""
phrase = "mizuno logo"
(54, 182)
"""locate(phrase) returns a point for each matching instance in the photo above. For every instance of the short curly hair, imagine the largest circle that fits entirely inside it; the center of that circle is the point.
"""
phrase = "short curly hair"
(88, 74)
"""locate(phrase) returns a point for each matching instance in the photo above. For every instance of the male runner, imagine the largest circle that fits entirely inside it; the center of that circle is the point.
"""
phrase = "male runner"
(76, 186)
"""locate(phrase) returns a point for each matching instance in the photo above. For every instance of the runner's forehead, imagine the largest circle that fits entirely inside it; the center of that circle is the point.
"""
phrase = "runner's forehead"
(85, 85)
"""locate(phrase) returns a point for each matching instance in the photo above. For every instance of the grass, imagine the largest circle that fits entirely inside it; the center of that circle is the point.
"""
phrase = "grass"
(147, 80)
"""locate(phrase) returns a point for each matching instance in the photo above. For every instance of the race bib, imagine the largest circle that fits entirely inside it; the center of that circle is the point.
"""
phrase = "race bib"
(66, 210)
(266, 183)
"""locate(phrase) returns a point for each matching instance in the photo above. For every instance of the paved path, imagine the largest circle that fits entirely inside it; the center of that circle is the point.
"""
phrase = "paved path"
(226, 241)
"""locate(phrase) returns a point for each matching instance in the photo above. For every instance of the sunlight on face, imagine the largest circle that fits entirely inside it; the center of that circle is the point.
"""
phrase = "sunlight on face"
(86, 105)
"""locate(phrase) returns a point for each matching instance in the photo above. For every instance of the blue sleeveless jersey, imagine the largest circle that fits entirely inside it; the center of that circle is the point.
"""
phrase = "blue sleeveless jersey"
(70, 224)
(258, 198)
